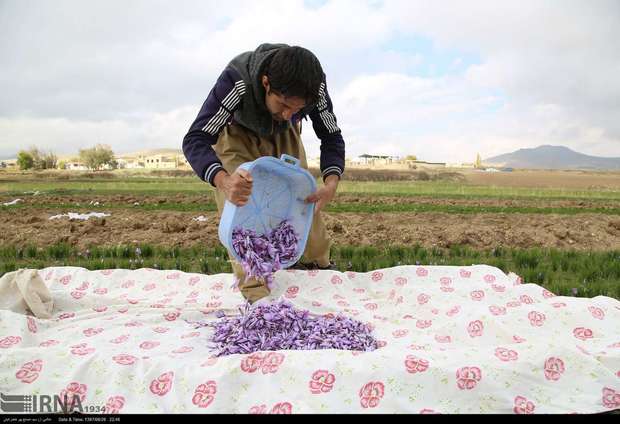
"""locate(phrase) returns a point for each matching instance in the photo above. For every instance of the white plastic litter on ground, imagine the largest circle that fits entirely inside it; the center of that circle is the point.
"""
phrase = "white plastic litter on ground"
(13, 202)
(82, 216)
(452, 340)
(200, 218)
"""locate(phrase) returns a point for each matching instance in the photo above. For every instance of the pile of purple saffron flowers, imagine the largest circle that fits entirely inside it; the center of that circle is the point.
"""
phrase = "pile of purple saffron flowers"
(279, 326)
(263, 254)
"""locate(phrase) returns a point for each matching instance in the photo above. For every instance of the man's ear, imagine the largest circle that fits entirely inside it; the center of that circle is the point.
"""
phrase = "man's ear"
(265, 81)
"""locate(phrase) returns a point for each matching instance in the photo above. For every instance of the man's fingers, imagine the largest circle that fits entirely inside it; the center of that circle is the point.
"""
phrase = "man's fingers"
(312, 198)
(244, 174)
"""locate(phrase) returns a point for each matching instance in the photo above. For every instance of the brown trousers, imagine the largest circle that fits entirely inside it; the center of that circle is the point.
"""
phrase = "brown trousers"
(237, 145)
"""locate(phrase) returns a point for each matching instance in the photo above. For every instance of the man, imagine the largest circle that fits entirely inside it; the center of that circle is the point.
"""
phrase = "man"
(255, 109)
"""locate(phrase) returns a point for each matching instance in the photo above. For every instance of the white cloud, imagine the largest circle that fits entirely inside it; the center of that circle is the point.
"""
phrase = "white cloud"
(134, 75)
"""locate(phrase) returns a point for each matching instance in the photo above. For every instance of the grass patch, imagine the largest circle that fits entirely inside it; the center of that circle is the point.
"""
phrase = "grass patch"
(564, 272)
(333, 208)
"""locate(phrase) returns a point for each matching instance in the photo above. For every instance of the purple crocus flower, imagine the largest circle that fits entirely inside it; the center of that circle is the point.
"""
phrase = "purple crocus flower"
(279, 326)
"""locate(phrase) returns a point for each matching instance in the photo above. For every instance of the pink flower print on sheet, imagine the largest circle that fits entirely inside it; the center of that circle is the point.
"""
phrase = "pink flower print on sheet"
(463, 273)
(526, 299)
(252, 363)
(547, 294)
(162, 384)
(73, 390)
(85, 285)
(506, 355)
(497, 310)
(453, 311)
(100, 291)
(173, 276)
(371, 306)
(596, 312)
(376, 276)
(468, 377)
(445, 281)
(322, 381)
(49, 343)
(114, 405)
(204, 395)
(582, 333)
(423, 323)
(149, 344)
(89, 332)
(554, 368)
(475, 328)
(399, 333)
(414, 365)
(32, 325)
(120, 339)
(125, 359)
(282, 408)
(421, 272)
(336, 280)
(611, 398)
(523, 406)
(423, 298)
(272, 362)
(258, 409)
(477, 295)
(183, 349)
(537, 319)
(9, 341)
(400, 281)
(82, 349)
(172, 316)
(193, 281)
(371, 394)
(190, 335)
(65, 280)
(488, 278)
(291, 292)
(29, 372)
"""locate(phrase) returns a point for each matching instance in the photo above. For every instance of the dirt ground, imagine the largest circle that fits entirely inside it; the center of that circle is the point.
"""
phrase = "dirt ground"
(129, 200)
(583, 231)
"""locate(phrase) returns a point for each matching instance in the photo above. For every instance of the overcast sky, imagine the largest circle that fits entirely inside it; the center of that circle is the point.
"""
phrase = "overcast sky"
(443, 80)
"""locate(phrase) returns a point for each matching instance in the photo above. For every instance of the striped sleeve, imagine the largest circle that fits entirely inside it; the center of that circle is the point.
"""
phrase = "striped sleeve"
(216, 112)
(326, 128)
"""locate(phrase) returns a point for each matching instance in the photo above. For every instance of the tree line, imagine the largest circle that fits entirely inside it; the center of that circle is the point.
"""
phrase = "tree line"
(95, 158)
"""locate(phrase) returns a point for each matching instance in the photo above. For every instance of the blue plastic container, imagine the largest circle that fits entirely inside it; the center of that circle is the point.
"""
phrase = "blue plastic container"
(279, 189)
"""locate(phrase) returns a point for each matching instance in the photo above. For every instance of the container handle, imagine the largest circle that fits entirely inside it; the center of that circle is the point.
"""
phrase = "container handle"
(290, 159)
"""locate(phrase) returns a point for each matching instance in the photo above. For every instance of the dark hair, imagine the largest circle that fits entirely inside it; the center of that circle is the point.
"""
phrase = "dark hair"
(295, 72)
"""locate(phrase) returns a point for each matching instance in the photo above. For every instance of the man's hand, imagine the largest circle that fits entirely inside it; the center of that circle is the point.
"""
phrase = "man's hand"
(236, 187)
(325, 194)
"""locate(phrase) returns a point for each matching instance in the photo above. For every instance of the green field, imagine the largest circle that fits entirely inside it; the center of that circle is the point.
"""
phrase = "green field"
(566, 272)
(192, 185)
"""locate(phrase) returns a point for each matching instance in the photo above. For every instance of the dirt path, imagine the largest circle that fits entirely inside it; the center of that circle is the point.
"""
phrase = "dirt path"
(582, 231)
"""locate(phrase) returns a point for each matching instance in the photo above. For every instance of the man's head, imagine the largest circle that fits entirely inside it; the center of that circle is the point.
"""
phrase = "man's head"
(291, 81)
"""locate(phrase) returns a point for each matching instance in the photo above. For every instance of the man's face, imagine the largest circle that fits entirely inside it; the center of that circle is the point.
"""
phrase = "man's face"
(281, 108)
